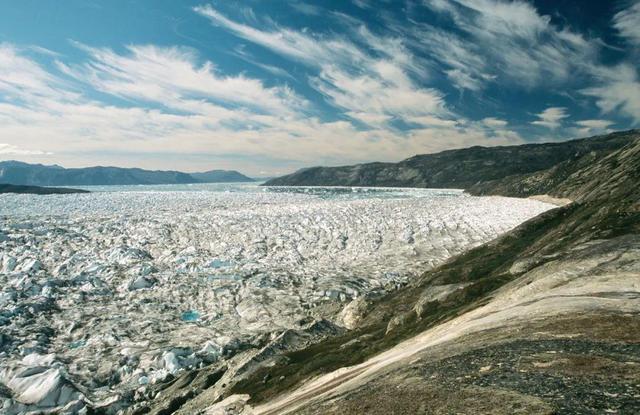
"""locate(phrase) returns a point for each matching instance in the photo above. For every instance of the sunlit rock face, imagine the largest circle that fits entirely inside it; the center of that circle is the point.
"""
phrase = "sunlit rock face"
(129, 287)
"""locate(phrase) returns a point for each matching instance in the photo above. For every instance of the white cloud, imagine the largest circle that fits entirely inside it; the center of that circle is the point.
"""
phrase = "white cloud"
(308, 9)
(494, 19)
(551, 117)
(588, 127)
(627, 22)
(494, 122)
(363, 4)
(369, 94)
(506, 41)
(178, 123)
(23, 79)
(175, 103)
(287, 42)
(247, 57)
(467, 69)
(595, 124)
(11, 150)
(511, 42)
(433, 122)
(375, 119)
(618, 91)
(371, 89)
(173, 77)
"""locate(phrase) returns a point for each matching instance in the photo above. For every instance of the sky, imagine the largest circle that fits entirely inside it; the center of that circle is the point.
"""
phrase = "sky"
(267, 87)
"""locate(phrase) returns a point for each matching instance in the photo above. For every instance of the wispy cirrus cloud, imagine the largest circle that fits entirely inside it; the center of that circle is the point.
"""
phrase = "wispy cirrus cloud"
(494, 122)
(507, 42)
(461, 63)
(287, 42)
(616, 88)
(511, 42)
(374, 83)
(173, 76)
(372, 89)
(23, 79)
(627, 22)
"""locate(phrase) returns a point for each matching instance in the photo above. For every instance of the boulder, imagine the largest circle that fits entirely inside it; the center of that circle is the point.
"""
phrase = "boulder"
(353, 313)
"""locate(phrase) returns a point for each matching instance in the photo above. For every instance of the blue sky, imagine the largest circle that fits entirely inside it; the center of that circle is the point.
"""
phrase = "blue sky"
(267, 87)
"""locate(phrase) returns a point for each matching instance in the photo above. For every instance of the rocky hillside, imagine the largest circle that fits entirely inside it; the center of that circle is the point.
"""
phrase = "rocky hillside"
(583, 178)
(457, 168)
(18, 173)
(543, 320)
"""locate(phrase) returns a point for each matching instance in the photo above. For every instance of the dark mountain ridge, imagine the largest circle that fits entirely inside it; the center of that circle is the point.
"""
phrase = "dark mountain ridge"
(19, 173)
(461, 168)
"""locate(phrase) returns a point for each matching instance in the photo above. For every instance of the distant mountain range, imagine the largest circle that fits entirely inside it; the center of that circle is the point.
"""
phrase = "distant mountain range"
(19, 173)
(460, 169)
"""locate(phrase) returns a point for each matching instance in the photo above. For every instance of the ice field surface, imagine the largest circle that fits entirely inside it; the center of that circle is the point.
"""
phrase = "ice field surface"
(102, 293)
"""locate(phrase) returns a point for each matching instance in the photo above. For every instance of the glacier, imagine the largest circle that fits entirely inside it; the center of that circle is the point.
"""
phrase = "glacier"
(106, 292)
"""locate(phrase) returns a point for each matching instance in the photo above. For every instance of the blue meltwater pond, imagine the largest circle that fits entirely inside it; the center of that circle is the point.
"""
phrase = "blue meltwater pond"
(190, 315)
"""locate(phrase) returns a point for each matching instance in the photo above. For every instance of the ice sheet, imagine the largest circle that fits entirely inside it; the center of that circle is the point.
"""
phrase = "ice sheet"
(130, 286)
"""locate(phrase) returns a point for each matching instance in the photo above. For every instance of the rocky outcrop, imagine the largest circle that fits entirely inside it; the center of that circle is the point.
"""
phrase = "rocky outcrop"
(353, 313)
